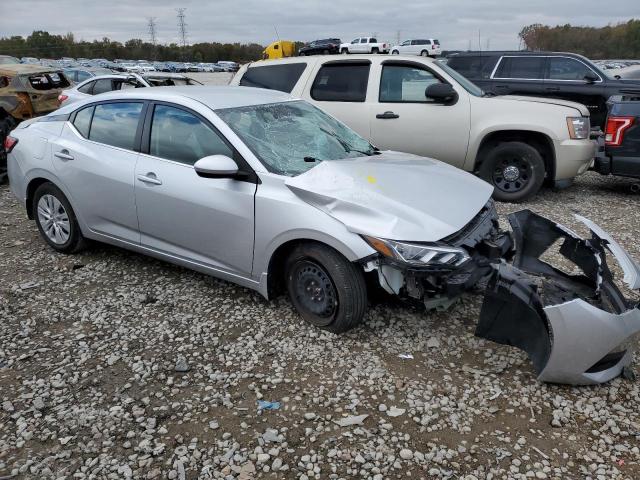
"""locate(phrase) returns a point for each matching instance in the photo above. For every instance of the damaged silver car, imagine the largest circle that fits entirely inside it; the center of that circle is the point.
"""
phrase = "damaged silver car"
(271, 193)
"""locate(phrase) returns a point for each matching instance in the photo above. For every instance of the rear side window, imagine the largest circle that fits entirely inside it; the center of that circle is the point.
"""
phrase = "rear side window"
(102, 86)
(473, 67)
(274, 77)
(86, 88)
(182, 137)
(341, 83)
(82, 122)
(115, 124)
(520, 67)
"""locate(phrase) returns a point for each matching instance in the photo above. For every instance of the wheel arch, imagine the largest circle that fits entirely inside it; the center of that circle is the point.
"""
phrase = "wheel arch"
(539, 140)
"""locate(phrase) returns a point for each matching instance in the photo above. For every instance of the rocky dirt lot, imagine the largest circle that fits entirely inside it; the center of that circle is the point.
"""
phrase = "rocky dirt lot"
(115, 365)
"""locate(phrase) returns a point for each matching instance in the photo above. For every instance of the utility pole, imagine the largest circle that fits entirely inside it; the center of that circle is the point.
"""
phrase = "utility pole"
(398, 37)
(182, 30)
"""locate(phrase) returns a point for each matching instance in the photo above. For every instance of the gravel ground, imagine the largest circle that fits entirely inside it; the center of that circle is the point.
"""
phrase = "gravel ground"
(115, 365)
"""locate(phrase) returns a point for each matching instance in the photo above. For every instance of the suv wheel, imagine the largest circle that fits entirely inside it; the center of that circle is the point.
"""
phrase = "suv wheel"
(327, 290)
(424, 53)
(56, 220)
(515, 169)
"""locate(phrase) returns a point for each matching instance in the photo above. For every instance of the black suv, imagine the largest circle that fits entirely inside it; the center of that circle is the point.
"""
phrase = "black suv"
(321, 47)
(546, 74)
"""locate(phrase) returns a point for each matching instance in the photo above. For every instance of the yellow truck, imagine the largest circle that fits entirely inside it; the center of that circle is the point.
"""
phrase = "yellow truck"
(279, 49)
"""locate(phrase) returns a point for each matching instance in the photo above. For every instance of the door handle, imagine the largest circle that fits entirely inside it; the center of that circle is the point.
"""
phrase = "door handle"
(150, 178)
(387, 115)
(63, 155)
(552, 89)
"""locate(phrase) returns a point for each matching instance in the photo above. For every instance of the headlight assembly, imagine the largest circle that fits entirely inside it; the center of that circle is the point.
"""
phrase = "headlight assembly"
(419, 254)
(579, 127)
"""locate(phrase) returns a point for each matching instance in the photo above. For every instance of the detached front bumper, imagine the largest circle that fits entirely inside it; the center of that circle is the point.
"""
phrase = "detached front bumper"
(576, 325)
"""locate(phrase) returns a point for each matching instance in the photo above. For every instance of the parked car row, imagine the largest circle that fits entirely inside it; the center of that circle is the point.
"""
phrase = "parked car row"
(270, 192)
(423, 47)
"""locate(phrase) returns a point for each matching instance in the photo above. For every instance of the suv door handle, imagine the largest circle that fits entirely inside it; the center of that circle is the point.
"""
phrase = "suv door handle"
(150, 178)
(63, 155)
(387, 115)
(552, 89)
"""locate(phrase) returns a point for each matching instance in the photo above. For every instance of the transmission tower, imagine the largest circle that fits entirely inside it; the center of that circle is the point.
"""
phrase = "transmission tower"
(182, 26)
(152, 30)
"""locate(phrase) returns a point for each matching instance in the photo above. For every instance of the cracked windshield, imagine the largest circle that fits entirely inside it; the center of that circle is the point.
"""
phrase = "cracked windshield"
(292, 137)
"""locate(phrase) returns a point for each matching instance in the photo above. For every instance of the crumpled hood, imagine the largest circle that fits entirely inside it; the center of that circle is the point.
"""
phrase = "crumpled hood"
(551, 101)
(394, 195)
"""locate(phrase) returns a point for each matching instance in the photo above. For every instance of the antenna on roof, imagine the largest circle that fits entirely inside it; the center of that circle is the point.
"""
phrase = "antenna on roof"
(277, 34)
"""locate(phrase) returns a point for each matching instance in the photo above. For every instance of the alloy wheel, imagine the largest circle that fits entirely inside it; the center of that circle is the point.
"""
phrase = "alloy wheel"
(54, 220)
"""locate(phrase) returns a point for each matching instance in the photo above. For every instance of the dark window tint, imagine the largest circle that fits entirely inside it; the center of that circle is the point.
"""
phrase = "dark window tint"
(102, 86)
(473, 67)
(372, 40)
(404, 83)
(437, 42)
(86, 88)
(520, 67)
(561, 68)
(116, 124)
(341, 83)
(181, 136)
(82, 121)
(274, 77)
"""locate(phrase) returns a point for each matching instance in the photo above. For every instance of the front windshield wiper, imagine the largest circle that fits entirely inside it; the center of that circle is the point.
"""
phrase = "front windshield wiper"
(348, 148)
(488, 94)
(311, 159)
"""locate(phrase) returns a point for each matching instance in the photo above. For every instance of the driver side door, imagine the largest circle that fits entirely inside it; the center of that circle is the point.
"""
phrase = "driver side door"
(208, 221)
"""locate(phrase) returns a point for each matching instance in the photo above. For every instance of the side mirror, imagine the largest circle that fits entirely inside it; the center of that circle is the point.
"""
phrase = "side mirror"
(590, 78)
(441, 92)
(216, 166)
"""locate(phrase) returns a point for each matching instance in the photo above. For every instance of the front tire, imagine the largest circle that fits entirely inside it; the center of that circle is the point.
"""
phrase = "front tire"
(326, 289)
(515, 169)
(344, 51)
(56, 219)
(395, 52)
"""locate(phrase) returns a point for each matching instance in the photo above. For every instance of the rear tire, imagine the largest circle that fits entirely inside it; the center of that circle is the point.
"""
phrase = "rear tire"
(56, 219)
(395, 52)
(515, 169)
(7, 123)
(344, 51)
(327, 290)
(375, 51)
(325, 52)
(424, 53)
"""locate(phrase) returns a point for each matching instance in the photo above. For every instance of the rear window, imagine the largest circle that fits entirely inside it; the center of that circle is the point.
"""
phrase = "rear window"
(521, 67)
(274, 77)
(341, 83)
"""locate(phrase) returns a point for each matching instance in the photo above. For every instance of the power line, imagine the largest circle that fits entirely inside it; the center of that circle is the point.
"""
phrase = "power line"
(152, 29)
(182, 26)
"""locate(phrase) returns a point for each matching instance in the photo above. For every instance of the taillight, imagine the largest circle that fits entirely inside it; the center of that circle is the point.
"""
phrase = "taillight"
(614, 131)
(9, 143)
(433, 46)
(62, 98)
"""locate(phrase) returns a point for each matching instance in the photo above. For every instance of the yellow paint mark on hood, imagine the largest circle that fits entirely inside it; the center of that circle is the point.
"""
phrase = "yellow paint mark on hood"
(371, 179)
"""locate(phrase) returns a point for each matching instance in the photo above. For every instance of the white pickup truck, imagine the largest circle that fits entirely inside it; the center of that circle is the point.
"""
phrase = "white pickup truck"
(365, 45)
(419, 105)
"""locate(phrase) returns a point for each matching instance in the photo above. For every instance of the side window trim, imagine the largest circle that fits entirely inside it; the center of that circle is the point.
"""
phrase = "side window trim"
(243, 165)
(408, 63)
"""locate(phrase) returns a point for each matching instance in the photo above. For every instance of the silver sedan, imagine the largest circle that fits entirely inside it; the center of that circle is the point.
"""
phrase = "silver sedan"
(271, 193)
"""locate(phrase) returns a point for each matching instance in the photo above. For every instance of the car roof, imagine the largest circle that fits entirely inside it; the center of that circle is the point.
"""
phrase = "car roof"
(342, 59)
(22, 68)
(215, 97)
(490, 53)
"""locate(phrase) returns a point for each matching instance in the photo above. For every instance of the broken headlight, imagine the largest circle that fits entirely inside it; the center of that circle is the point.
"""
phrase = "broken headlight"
(419, 254)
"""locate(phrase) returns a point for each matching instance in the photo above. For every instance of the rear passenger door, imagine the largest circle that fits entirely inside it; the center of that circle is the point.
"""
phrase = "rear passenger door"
(340, 88)
(96, 158)
(519, 75)
(205, 220)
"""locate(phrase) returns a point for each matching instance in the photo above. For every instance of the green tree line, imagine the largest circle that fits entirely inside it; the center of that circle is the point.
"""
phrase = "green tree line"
(42, 44)
(610, 42)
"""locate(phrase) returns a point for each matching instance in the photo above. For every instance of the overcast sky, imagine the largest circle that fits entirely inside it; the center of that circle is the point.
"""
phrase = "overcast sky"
(454, 22)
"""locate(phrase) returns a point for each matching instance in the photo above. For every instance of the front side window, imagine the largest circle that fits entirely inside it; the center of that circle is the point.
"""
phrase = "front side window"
(82, 122)
(115, 124)
(341, 82)
(357, 40)
(102, 86)
(562, 68)
(406, 43)
(527, 67)
(182, 137)
(290, 138)
(274, 77)
(405, 83)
